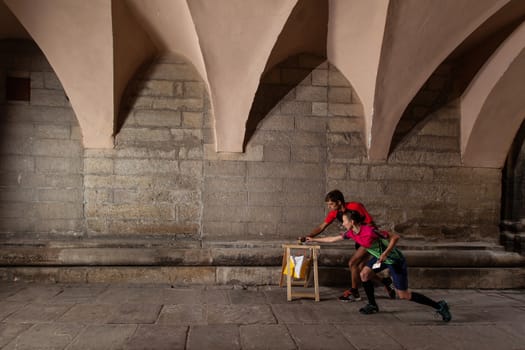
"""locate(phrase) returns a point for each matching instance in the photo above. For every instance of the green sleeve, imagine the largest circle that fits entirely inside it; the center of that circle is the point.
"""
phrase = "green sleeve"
(377, 248)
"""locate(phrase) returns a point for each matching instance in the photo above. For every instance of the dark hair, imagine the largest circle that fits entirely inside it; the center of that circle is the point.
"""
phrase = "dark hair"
(354, 216)
(335, 196)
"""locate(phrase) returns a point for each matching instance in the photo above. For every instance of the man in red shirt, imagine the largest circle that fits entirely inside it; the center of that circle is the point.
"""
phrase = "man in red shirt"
(337, 206)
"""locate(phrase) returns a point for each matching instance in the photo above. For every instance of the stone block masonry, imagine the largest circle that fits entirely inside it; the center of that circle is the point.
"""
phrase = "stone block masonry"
(151, 183)
(164, 180)
(41, 188)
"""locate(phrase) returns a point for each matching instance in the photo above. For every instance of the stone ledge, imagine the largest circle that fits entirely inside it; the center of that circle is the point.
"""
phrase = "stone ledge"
(186, 261)
(240, 255)
(479, 278)
(54, 240)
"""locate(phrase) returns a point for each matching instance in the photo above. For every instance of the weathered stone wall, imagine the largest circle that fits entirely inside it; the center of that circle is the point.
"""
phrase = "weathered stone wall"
(151, 183)
(311, 142)
(422, 190)
(275, 190)
(40, 149)
(164, 178)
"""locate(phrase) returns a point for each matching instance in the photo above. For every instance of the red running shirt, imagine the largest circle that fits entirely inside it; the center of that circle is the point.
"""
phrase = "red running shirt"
(360, 208)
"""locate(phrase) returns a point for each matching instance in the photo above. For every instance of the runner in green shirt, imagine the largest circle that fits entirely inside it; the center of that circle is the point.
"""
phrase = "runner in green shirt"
(381, 245)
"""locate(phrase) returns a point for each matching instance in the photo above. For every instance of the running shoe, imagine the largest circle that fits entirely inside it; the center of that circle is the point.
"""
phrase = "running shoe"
(369, 309)
(348, 296)
(444, 311)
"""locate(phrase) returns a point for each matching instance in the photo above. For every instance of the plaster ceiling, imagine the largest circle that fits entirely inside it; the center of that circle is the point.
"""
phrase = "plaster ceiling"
(386, 50)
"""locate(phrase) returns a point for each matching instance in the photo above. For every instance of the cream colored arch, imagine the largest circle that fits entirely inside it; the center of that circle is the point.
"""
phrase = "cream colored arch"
(492, 107)
(131, 47)
(419, 35)
(228, 42)
(95, 47)
(74, 52)
(355, 37)
(305, 31)
(170, 25)
(83, 41)
(236, 38)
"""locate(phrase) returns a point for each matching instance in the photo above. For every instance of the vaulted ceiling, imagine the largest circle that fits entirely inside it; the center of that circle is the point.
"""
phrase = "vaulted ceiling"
(386, 49)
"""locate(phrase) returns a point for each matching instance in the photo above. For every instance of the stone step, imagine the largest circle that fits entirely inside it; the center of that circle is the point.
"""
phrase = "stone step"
(419, 277)
(147, 260)
(220, 255)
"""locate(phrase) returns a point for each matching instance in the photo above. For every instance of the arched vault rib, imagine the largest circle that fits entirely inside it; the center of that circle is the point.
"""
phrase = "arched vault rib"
(236, 38)
(170, 26)
(492, 105)
(131, 48)
(92, 65)
(411, 50)
(355, 34)
(81, 57)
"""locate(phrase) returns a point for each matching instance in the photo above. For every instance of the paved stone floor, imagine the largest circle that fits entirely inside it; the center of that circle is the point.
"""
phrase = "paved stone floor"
(131, 316)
